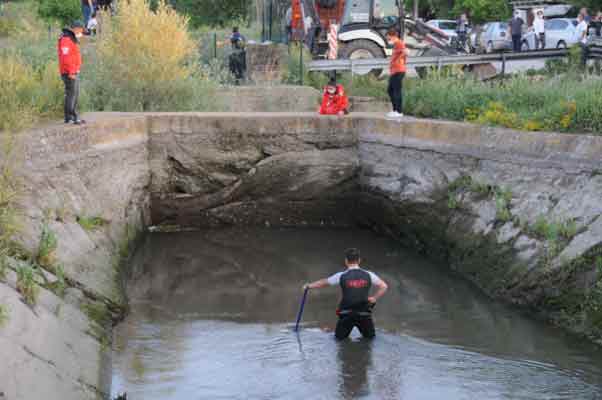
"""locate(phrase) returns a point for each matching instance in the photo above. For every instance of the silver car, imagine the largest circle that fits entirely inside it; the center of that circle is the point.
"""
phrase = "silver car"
(494, 37)
(560, 34)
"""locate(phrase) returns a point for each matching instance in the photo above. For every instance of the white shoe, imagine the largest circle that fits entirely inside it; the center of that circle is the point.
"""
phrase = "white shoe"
(393, 115)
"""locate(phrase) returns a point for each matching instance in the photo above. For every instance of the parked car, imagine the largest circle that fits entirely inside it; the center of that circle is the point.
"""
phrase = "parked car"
(475, 37)
(448, 26)
(560, 34)
(494, 37)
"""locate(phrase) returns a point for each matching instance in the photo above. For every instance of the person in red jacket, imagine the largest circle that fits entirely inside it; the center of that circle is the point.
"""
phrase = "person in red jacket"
(70, 62)
(334, 101)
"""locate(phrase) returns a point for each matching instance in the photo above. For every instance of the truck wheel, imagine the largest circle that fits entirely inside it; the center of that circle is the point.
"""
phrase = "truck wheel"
(362, 49)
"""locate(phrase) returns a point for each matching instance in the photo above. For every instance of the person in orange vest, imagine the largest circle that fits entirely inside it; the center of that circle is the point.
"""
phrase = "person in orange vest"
(70, 62)
(397, 71)
(334, 100)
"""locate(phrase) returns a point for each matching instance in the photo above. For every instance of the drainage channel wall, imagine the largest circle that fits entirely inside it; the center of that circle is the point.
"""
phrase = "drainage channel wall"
(517, 213)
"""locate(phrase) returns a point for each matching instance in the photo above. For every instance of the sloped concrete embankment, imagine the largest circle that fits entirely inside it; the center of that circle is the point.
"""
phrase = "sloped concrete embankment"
(519, 214)
(59, 347)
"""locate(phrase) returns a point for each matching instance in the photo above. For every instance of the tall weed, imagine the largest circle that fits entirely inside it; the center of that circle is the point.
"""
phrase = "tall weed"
(145, 60)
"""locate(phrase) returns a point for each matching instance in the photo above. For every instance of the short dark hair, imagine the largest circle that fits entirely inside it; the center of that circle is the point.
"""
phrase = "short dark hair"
(77, 24)
(352, 255)
(393, 32)
(235, 29)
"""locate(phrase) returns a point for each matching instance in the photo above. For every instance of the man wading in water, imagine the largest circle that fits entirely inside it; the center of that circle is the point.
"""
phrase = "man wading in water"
(355, 308)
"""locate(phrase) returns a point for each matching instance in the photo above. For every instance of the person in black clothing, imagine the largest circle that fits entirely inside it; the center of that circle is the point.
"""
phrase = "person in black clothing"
(595, 25)
(237, 60)
(355, 308)
(516, 30)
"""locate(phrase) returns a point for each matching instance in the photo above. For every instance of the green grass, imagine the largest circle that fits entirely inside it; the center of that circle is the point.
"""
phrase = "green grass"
(47, 247)
(562, 101)
(26, 283)
(91, 223)
(3, 315)
(554, 230)
(100, 321)
(452, 201)
(60, 285)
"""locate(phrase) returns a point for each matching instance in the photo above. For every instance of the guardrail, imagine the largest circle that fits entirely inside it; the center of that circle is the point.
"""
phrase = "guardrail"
(364, 65)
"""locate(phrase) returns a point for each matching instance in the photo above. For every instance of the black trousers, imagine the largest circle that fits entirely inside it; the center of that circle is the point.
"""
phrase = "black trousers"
(347, 322)
(71, 97)
(540, 41)
(516, 43)
(394, 89)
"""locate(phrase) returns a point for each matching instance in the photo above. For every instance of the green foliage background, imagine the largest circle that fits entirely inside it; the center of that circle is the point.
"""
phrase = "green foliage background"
(481, 11)
(62, 11)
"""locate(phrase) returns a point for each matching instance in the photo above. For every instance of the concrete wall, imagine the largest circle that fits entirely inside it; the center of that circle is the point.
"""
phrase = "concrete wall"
(58, 348)
(267, 99)
(519, 214)
(437, 186)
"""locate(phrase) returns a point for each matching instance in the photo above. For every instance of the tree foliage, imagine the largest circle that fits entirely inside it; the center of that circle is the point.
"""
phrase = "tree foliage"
(212, 12)
(63, 11)
(481, 11)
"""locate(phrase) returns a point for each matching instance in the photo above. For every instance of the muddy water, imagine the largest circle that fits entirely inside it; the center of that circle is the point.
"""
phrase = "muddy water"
(212, 316)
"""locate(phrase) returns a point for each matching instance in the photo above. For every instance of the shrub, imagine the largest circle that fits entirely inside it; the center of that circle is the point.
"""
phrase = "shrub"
(144, 60)
(27, 94)
(63, 11)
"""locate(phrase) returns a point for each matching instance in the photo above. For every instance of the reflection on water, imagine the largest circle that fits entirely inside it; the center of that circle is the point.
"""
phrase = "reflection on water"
(212, 316)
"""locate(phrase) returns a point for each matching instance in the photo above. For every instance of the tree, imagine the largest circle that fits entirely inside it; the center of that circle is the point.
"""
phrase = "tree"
(211, 12)
(481, 11)
(63, 11)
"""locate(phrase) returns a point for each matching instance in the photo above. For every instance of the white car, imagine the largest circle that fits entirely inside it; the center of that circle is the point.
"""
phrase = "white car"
(560, 34)
(448, 26)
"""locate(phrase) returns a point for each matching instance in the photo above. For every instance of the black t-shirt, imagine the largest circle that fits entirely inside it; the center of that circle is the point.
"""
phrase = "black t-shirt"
(355, 285)
(595, 27)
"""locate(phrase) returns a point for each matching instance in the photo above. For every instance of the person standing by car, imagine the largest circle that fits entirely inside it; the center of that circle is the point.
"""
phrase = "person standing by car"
(462, 30)
(581, 32)
(586, 17)
(516, 31)
(70, 61)
(595, 25)
(540, 30)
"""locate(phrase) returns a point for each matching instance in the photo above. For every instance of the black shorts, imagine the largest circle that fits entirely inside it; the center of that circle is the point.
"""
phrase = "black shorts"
(347, 322)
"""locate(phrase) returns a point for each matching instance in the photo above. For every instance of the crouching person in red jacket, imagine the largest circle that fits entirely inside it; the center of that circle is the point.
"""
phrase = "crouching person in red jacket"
(334, 101)
(70, 62)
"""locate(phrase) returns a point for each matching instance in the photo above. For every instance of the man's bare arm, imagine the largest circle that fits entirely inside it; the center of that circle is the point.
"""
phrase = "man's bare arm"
(381, 289)
(317, 284)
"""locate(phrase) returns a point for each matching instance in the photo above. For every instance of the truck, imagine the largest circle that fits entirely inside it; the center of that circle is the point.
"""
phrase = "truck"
(363, 25)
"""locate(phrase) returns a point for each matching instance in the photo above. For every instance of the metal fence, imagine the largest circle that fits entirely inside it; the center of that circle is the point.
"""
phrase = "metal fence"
(361, 66)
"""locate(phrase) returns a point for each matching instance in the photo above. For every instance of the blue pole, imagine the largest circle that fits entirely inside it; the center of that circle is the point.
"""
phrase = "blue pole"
(301, 309)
